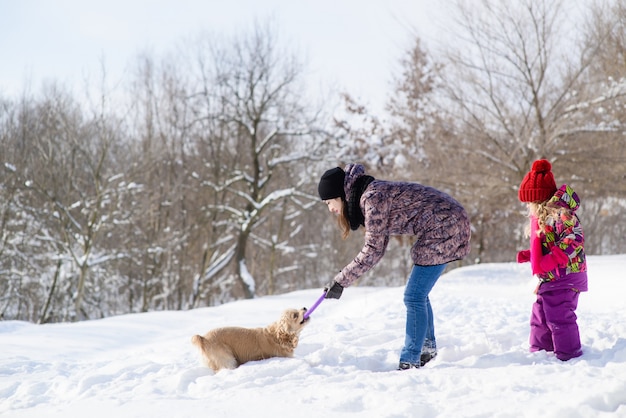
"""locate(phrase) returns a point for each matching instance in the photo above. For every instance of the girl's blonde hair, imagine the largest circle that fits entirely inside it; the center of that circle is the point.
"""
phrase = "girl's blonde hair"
(544, 211)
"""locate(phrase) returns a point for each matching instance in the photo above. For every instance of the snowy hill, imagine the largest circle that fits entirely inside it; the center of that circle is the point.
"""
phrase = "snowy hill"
(143, 365)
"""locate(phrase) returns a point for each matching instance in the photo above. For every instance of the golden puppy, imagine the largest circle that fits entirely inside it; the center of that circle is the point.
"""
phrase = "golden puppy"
(230, 347)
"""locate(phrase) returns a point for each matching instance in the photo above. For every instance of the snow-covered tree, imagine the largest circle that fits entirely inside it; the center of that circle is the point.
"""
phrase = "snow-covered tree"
(251, 110)
(515, 86)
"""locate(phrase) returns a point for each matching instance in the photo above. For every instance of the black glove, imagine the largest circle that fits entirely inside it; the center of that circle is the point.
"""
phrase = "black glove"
(334, 291)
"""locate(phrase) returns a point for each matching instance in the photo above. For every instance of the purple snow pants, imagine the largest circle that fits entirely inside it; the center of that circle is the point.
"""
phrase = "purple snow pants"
(553, 324)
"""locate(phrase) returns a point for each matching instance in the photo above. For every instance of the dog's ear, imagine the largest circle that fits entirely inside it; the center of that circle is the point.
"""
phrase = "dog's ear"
(284, 329)
(287, 339)
(288, 319)
(283, 322)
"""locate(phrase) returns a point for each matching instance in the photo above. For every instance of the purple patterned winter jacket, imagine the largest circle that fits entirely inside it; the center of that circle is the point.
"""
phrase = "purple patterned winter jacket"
(439, 223)
(567, 234)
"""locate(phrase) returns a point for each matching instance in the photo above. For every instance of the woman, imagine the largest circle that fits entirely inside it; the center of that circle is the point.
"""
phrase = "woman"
(438, 222)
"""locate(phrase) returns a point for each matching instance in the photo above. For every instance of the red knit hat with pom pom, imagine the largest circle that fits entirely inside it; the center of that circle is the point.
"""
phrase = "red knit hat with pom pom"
(538, 184)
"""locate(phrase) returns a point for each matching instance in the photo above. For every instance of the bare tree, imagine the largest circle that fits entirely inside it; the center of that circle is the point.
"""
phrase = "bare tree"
(223, 136)
(511, 96)
(602, 152)
(250, 105)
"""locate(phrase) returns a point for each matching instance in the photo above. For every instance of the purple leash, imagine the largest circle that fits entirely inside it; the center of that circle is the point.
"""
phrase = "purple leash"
(315, 305)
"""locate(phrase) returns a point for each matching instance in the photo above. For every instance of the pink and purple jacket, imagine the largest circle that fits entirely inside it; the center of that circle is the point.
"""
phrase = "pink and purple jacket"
(558, 257)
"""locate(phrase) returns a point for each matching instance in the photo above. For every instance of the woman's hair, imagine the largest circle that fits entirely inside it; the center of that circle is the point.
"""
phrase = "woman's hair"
(543, 211)
(343, 221)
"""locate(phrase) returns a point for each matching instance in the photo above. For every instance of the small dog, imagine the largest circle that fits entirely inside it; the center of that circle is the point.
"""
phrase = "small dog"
(230, 347)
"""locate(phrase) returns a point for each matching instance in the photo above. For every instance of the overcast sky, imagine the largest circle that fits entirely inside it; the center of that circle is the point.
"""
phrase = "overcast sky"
(353, 45)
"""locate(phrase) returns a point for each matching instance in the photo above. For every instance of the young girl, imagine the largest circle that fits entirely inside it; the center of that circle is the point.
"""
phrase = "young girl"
(438, 223)
(557, 258)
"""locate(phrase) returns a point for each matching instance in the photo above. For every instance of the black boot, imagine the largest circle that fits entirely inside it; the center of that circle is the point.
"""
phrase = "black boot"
(406, 366)
(426, 357)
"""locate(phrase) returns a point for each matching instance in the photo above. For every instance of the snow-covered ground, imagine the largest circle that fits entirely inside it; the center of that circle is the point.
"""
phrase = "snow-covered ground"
(143, 365)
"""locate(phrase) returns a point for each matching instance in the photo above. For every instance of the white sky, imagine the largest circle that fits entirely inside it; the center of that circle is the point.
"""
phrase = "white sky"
(352, 44)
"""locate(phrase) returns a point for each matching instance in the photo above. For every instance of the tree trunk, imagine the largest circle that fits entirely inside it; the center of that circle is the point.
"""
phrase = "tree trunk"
(240, 257)
(44, 312)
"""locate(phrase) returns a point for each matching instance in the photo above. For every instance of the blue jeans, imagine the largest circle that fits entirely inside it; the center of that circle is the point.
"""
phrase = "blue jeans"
(420, 329)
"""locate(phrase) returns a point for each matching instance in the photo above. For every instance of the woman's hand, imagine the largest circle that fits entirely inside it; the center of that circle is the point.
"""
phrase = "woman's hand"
(333, 291)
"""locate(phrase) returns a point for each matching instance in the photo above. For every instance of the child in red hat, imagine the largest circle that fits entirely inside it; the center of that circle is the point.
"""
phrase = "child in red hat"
(557, 258)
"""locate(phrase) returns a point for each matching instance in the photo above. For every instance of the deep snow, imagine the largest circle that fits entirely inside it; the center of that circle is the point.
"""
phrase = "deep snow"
(143, 365)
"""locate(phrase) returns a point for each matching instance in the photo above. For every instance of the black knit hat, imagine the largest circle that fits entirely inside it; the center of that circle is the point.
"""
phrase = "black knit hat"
(331, 184)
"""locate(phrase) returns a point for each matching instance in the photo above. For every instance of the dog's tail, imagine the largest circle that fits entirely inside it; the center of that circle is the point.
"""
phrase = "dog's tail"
(198, 340)
(202, 344)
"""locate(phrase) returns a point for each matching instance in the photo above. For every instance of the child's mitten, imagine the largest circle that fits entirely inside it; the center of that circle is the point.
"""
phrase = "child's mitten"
(523, 256)
(557, 258)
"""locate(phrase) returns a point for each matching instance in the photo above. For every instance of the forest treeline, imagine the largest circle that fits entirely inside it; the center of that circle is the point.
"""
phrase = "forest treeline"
(193, 182)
